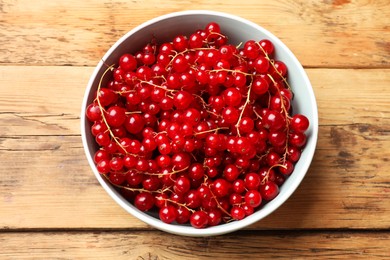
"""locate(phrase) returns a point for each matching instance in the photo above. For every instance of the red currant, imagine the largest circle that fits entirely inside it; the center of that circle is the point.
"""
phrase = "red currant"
(197, 129)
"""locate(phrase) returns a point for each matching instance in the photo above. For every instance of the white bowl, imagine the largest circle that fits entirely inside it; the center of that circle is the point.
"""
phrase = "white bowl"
(164, 28)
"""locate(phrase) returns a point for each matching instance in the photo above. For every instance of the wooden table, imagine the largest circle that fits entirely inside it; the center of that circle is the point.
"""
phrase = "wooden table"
(51, 205)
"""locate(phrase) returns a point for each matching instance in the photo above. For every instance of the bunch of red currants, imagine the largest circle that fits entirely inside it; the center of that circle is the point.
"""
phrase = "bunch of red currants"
(198, 129)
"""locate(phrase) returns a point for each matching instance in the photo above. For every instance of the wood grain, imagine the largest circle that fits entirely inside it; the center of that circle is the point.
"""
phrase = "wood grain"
(326, 33)
(160, 246)
(48, 184)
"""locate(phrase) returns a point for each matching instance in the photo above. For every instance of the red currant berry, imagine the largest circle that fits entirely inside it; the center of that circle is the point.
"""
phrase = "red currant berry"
(134, 123)
(196, 171)
(294, 154)
(221, 187)
(106, 96)
(182, 215)
(144, 201)
(93, 112)
(232, 97)
(260, 86)
(192, 199)
(117, 178)
(180, 64)
(182, 185)
(182, 99)
(239, 186)
(151, 183)
(237, 212)
(134, 178)
(115, 116)
(214, 217)
(231, 172)
(253, 198)
(299, 123)
(167, 214)
(116, 163)
(199, 219)
(280, 68)
(235, 198)
(287, 168)
(180, 43)
(297, 139)
(277, 138)
(251, 50)
(246, 125)
(127, 62)
(267, 47)
(252, 181)
(195, 41)
(101, 155)
(248, 209)
(180, 161)
(269, 190)
(103, 138)
(230, 115)
(273, 120)
(103, 166)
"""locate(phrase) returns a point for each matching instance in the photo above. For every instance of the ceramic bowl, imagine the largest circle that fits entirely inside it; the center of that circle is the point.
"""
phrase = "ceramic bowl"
(164, 28)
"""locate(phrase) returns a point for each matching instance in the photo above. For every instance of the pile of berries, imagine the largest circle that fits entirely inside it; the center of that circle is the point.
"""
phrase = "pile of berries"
(197, 129)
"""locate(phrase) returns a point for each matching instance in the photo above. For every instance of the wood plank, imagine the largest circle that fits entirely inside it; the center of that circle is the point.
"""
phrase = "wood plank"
(156, 245)
(43, 103)
(47, 183)
(330, 33)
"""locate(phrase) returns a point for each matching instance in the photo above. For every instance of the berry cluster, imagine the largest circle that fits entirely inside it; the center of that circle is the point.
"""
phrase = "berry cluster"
(198, 129)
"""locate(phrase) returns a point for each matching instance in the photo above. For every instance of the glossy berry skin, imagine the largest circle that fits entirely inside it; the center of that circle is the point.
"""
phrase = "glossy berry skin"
(221, 187)
(115, 116)
(231, 173)
(180, 43)
(232, 97)
(127, 62)
(297, 139)
(269, 190)
(267, 47)
(134, 123)
(182, 185)
(252, 181)
(199, 219)
(93, 112)
(214, 217)
(182, 99)
(299, 123)
(182, 215)
(253, 198)
(144, 201)
(237, 212)
(168, 214)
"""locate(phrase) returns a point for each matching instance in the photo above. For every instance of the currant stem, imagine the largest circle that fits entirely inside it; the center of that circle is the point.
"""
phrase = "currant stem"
(286, 115)
(125, 187)
(244, 107)
(219, 205)
(211, 130)
(102, 109)
(269, 170)
(273, 65)
(180, 204)
(163, 174)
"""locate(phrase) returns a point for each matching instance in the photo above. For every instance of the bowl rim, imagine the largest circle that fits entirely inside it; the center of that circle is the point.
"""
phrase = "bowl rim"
(223, 228)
